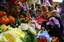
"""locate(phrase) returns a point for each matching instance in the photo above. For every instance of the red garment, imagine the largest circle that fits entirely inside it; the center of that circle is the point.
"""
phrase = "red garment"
(12, 1)
(40, 19)
(40, 40)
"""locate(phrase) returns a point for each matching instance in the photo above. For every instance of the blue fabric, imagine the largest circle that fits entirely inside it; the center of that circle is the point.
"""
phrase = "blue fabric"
(44, 34)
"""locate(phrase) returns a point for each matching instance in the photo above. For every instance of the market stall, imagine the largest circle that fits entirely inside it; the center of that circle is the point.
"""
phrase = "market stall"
(30, 21)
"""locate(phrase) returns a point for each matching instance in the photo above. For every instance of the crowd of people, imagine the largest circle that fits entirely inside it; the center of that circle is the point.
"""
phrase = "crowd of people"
(46, 17)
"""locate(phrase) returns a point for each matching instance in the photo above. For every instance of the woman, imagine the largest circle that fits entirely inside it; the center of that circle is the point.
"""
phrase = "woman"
(44, 15)
(39, 19)
(54, 26)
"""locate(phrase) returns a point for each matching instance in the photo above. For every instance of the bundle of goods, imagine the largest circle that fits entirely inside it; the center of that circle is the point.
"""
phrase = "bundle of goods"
(4, 19)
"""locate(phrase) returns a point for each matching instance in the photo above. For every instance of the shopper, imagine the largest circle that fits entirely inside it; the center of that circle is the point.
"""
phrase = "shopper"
(44, 15)
(54, 26)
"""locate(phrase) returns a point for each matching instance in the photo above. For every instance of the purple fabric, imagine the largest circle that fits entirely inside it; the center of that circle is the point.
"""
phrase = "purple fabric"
(53, 21)
(62, 10)
(23, 6)
(50, 23)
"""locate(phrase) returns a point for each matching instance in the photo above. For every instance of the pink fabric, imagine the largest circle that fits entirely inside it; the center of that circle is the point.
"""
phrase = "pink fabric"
(37, 21)
(37, 26)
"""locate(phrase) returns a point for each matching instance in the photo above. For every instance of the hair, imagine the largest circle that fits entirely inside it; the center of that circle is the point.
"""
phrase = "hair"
(51, 14)
(44, 8)
(45, 11)
(38, 6)
(50, 8)
(38, 10)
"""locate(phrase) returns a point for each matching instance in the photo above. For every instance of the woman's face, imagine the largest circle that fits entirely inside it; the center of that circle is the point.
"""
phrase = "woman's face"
(45, 14)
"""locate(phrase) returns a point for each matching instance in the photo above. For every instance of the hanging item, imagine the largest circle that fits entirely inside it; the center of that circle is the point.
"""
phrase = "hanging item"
(38, 2)
(46, 3)
(22, 1)
(12, 1)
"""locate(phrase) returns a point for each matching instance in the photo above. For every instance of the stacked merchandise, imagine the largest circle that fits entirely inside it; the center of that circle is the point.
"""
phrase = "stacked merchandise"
(10, 34)
(11, 27)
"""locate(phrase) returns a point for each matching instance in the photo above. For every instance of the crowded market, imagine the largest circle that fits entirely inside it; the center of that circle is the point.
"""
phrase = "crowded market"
(31, 20)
